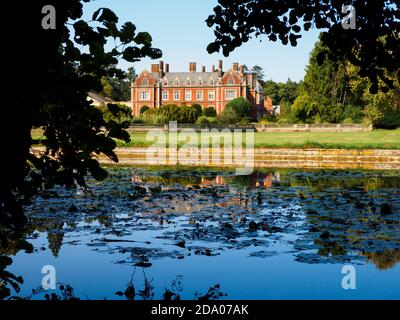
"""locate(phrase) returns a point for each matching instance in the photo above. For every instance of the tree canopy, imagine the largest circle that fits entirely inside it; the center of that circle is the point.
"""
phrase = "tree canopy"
(373, 46)
(65, 63)
(335, 92)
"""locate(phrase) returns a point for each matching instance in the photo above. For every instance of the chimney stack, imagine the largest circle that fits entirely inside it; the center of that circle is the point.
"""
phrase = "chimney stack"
(241, 70)
(220, 65)
(235, 67)
(213, 68)
(154, 67)
(192, 66)
(167, 68)
(161, 69)
(219, 68)
(203, 69)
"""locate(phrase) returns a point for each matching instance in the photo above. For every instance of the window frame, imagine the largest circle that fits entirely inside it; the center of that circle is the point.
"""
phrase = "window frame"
(175, 96)
(186, 95)
(165, 95)
(227, 91)
(197, 95)
(213, 95)
(147, 95)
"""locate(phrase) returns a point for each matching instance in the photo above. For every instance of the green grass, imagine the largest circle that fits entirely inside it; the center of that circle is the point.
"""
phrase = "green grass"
(377, 139)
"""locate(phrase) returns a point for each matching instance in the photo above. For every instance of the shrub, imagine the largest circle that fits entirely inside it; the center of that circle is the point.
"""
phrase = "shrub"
(143, 109)
(137, 120)
(209, 112)
(229, 116)
(352, 114)
(285, 121)
(245, 120)
(199, 110)
(202, 120)
(240, 105)
(116, 112)
(212, 120)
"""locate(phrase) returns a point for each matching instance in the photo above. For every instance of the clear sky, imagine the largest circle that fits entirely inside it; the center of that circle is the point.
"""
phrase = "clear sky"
(179, 30)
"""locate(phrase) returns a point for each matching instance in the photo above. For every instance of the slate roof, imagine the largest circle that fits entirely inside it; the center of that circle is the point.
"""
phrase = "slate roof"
(98, 97)
(183, 77)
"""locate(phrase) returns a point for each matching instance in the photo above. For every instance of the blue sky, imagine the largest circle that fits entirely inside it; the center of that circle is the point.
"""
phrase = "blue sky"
(179, 30)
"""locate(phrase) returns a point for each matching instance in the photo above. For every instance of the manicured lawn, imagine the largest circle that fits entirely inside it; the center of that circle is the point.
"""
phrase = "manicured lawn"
(377, 139)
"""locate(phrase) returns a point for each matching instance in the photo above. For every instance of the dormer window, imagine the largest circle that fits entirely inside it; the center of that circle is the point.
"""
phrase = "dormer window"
(145, 82)
(199, 82)
(188, 82)
(231, 81)
(177, 82)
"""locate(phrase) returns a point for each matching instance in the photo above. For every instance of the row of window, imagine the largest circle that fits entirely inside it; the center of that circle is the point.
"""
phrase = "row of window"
(229, 95)
(231, 81)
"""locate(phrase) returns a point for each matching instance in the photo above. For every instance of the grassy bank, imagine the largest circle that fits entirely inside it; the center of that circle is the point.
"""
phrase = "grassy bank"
(377, 139)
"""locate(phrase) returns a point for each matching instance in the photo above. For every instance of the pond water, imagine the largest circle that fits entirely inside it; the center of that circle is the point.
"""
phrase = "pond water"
(276, 234)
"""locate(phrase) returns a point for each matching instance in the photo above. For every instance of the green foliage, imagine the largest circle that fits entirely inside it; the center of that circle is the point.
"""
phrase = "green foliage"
(259, 71)
(235, 110)
(352, 114)
(241, 105)
(202, 120)
(279, 91)
(229, 116)
(198, 108)
(304, 109)
(118, 88)
(285, 108)
(143, 109)
(116, 112)
(212, 120)
(245, 120)
(334, 92)
(236, 21)
(209, 112)
(70, 61)
(165, 114)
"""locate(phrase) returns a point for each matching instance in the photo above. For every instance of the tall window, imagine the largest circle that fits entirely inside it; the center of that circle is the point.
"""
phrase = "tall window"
(230, 94)
(231, 81)
(177, 95)
(145, 82)
(211, 95)
(165, 95)
(144, 95)
(199, 95)
(188, 95)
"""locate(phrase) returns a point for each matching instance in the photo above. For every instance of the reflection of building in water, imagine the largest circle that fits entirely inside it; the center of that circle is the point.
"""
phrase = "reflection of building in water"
(219, 180)
(264, 179)
(255, 180)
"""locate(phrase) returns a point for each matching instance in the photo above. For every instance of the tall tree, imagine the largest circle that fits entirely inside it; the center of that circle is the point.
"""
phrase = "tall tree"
(131, 74)
(259, 71)
(236, 21)
(67, 62)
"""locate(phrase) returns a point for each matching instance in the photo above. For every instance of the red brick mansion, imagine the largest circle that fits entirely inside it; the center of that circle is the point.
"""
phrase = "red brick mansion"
(208, 89)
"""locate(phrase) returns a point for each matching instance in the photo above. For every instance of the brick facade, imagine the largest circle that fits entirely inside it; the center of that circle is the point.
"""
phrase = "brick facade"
(209, 89)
